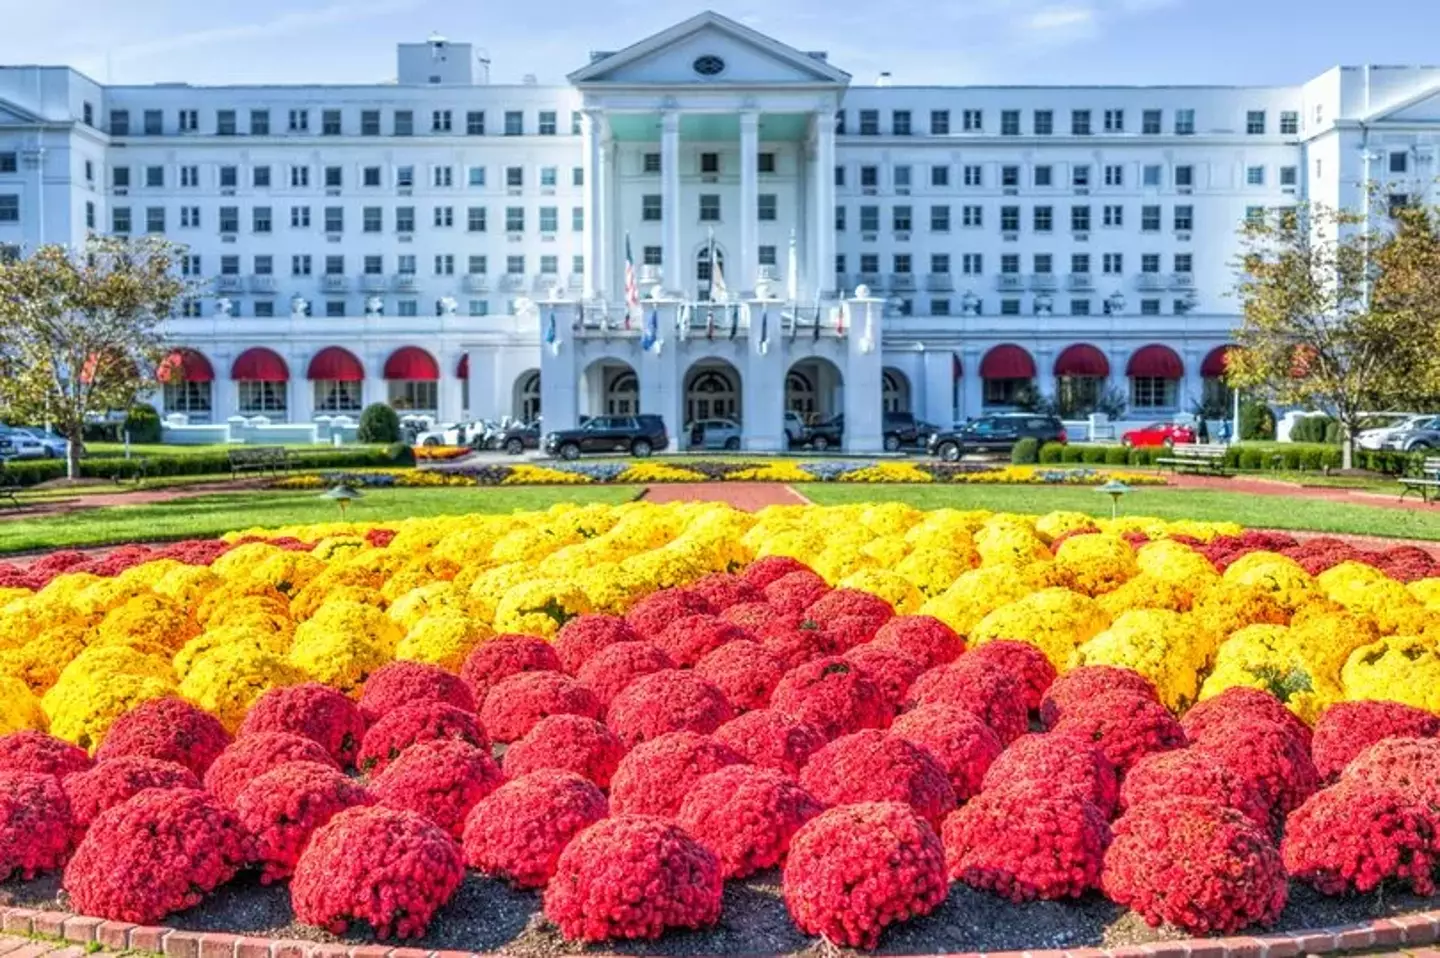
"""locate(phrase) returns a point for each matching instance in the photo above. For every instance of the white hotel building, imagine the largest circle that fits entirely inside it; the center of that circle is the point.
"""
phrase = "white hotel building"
(458, 247)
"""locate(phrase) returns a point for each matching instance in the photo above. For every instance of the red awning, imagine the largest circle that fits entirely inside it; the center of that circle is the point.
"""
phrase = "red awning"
(411, 362)
(1082, 359)
(462, 369)
(336, 365)
(185, 366)
(1007, 362)
(259, 365)
(1156, 362)
(1215, 361)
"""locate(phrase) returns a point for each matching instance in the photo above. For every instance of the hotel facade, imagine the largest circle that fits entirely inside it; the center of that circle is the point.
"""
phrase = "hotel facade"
(799, 240)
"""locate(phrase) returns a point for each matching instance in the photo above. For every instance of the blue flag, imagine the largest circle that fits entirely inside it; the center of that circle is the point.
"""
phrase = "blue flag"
(764, 332)
(550, 329)
(652, 331)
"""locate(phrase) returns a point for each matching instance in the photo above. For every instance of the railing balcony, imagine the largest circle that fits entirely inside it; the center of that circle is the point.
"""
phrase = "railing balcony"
(1182, 280)
(1009, 281)
(405, 282)
(868, 279)
(1081, 281)
(1149, 281)
(229, 284)
(477, 282)
(902, 282)
(940, 282)
(262, 284)
(335, 283)
(374, 283)
(512, 282)
(1042, 281)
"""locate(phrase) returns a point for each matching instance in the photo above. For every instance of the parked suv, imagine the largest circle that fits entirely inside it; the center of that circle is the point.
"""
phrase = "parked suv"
(900, 430)
(637, 435)
(994, 433)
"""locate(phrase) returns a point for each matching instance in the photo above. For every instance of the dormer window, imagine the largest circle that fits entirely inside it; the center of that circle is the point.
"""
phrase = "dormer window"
(709, 65)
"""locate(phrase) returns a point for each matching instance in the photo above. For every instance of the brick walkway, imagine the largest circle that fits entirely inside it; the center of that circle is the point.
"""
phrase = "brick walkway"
(1257, 486)
(749, 496)
(140, 497)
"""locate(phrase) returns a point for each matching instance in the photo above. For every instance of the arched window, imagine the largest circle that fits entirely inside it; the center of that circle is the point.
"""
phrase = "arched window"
(529, 406)
(712, 395)
(799, 394)
(895, 391)
(623, 396)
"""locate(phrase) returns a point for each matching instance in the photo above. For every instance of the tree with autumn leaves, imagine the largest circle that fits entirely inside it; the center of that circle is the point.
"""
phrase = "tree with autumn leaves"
(81, 331)
(1340, 314)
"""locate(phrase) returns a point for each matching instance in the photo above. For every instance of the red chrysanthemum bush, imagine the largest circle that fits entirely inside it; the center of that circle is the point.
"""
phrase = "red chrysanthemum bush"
(923, 638)
(754, 617)
(1195, 773)
(1196, 864)
(630, 877)
(118, 779)
(1064, 766)
(518, 831)
(722, 590)
(1346, 729)
(1409, 765)
(32, 751)
(182, 841)
(282, 809)
(689, 639)
(36, 827)
(796, 640)
(796, 591)
(768, 739)
(984, 688)
(1022, 660)
(440, 780)
(383, 866)
(846, 602)
(657, 775)
(169, 729)
(1268, 758)
(515, 704)
(568, 743)
(745, 671)
(311, 710)
(1085, 683)
(504, 656)
(876, 766)
(747, 816)
(407, 683)
(579, 639)
(668, 701)
(1123, 725)
(964, 746)
(762, 572)
(892, 672)
(653, 614)
(1026, 845)
(1354, 837)
(388, 738)
(253, 755)
(1239, 705)
(845, 632)
(832, 694)
(611, 670)
(854, 870)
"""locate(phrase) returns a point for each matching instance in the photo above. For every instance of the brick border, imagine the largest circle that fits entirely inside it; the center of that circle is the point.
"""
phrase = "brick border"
(28, 933)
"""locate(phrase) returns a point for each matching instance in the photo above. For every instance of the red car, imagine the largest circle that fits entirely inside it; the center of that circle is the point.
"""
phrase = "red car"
(1158, 434)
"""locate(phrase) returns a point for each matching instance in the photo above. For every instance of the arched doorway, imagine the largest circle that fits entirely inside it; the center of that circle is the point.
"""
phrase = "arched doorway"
(261, 382)
(712, 391)
(1007, 371)
(412, 380)
(894, 390)
(704, 282)
(1155, 372)
(526, 401)
(338, 379)
(187, 380)
(1216, 396)
(814, 389)
(1081, 371)
(610, 387)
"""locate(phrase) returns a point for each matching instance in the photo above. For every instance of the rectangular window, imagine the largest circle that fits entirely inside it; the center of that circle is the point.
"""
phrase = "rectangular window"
(1079, 307)
(1044, 264)
(651, 209)
(577, 122)
(514, 123)
(549, 177)
(405, 264)
(1114, 174)
(475, 123)
(300, 265)
(1112, 264)
(120, 177)
(330, 123)
(1184, 219)
(900, 219)
(900, 122)
(189, 121)
(869, 219)
(154, 177)
(1113, 215)
(548, 126)
(443, 217)
(1080, 177)
(1008, 307)
(973, 175)
(514, 219)
(441, 121)
(1184, 263)
(479, 265)
(334, 266)
(972, 121)
(939, 122)
(444, 264)
(1149, 307)
(577, 218)
(1080, 219)
(765, 210)
(264, 309)
(1010, 264)
(549, 219)
(119, 216)
(404, 219)
(369, 122)
(972, 216)
(1009, 219)
(1289, 175)
(1289, 123)
(1150, 219)
(404, 123)
(334, 219)
(1399, 161)
(1150, 175)
(940, 263)
(765, 162)
(515, 265)
(1184, 122)
(1044, 219)
(155, 219)
(514, 177)
(1151, 392)
(9, 162)
(1009, 177)
(1044, 176)
(1184, 177)
(1044, 122)
(1255, 122)
(1114, 121)
(1150, 263)
(225, 124)
(404, 177)
(940, 176)
(709, 208)
(261, 220)
(549, 265)
(869, 177)
(902, 178)
(372, 219)
(475, 219)
(476, 177)
(1080, 263)
(299, 177)
(839, 122)
(1254, 176)
(259, 177)
(900, 263)
(442, 177)
(1254, 216)
(334, 177)
(710, 164)
(259, 122)
(119, 122)
(1079, 122)
(972, 264)
(869, 122)
(190, 217)
(299, 121)
(1009, 122)
(1150, 122)
(229, 219)
(839, 219)
(939, 219)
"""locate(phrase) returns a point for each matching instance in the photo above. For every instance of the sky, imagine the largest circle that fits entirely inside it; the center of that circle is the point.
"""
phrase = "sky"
(919, 42)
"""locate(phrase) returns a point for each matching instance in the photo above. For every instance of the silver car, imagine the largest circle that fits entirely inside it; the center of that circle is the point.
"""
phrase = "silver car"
(714, 434)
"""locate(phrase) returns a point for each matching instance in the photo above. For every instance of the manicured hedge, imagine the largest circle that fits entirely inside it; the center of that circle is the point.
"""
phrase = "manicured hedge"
(31, 472)
(1309, 457)
(1026, 452)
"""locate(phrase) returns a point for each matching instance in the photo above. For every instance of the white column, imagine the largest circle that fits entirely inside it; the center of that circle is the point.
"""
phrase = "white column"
(595, 193)
(559, 374)
(825, 199)
(300, 396)
(671, 257)
(938, 404)
(972, 387)
(863, 372)
(749, 200)
(1192, 386)
(448, 393)
(762, 382)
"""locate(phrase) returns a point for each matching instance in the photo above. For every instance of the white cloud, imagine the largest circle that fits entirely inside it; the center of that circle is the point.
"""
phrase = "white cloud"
(1066, 19)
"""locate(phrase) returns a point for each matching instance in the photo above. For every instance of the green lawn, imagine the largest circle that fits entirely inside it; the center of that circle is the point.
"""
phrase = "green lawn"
(208, 516)
(1268, 512)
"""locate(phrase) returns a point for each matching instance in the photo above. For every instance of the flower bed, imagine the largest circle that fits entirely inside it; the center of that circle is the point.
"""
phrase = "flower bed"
(647, 662)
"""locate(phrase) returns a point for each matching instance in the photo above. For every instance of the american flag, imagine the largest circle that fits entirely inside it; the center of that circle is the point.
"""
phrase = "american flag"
(632, 284)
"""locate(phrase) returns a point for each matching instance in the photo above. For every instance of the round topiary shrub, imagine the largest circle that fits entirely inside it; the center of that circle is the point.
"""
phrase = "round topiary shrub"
(746, 816)
(833, 695)
(1354, 837)
(251, 756)
(518, 831)
(983, 688)
(1192, 772)
(405, 683)
(567, 743)
(1027, 845)
(755, 617)
(722, 590)
(1066, 766)
(964, 746)
(854, 870)
(1270, 759)
(653, 614)
(183, 841)
(664, 702)
(1195, 864)
(1238, 705)
(383, 866)
(923, 638)
(1346, 729)
(655, 777)
(378, 424)
(842, 603)
(1085, 683)
(689, 639)
(796, 640)
(593, 894)
(169, 729)
(764, 571)
(504, 656)
(32, 751)
(745, 671)
(768, 739)
(408, 725)
(846, 632)
(1125, 726)
(142, 424)
(796, 591)
(876, 766)
(1408, 765)
(119, 779)
(312, 711)
(609, 671)
(36, 826)
(441, 780)
(1022, 660)
(579, 639)
(283, 807)
(514, 705)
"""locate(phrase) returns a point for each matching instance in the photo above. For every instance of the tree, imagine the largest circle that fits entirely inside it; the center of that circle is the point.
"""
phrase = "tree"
(81, 330)
(1334, 313)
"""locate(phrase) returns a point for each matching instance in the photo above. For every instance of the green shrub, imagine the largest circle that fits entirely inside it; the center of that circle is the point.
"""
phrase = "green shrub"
(400, 454)
(29, 472)
(378, 423)
(1332, 433)
(1313, 429)
(106, 431)
(1092, 455)
(1025, 452)
(1251, 459)
(1257, 422)
(1145, 455)
(1116, 456)
(1072, 454)
(1052, 452)
(142, 423)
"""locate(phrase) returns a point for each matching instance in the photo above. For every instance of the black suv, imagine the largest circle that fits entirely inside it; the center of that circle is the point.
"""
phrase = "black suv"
(637, 435)
(995, 433)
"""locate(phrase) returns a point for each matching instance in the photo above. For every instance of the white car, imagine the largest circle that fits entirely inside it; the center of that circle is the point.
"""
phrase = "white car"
(1375, 438)
(20, 444)
(452, 434)
(714, 434)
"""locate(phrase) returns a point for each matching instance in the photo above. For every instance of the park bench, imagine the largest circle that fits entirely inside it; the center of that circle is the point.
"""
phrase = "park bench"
(262, 459)
(1195, 457)
(1427, 482)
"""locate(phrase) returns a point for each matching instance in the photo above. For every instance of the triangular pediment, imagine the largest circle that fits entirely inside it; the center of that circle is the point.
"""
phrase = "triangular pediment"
(13, 115)
(1421, 106)
(709, 48)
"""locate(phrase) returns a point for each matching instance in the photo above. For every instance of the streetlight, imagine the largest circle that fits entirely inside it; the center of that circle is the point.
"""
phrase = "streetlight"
(1114, 489)
(342, 494)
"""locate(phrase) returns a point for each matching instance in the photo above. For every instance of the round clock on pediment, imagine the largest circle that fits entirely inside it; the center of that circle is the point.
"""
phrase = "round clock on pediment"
(709, 65)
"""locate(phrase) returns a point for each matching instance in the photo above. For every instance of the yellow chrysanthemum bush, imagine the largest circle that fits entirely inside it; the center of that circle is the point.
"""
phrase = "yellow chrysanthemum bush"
(19, 708)
(1284, 578)
(1096, 564)
(99, 686)
(893, 587)
(1269, 658)
(540, 608)
(443, 638)
(227, 679)
(1056, 621)
(39, 661)
(147, 622)
(1161, 645)
(1401, 668)
(974, 595)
